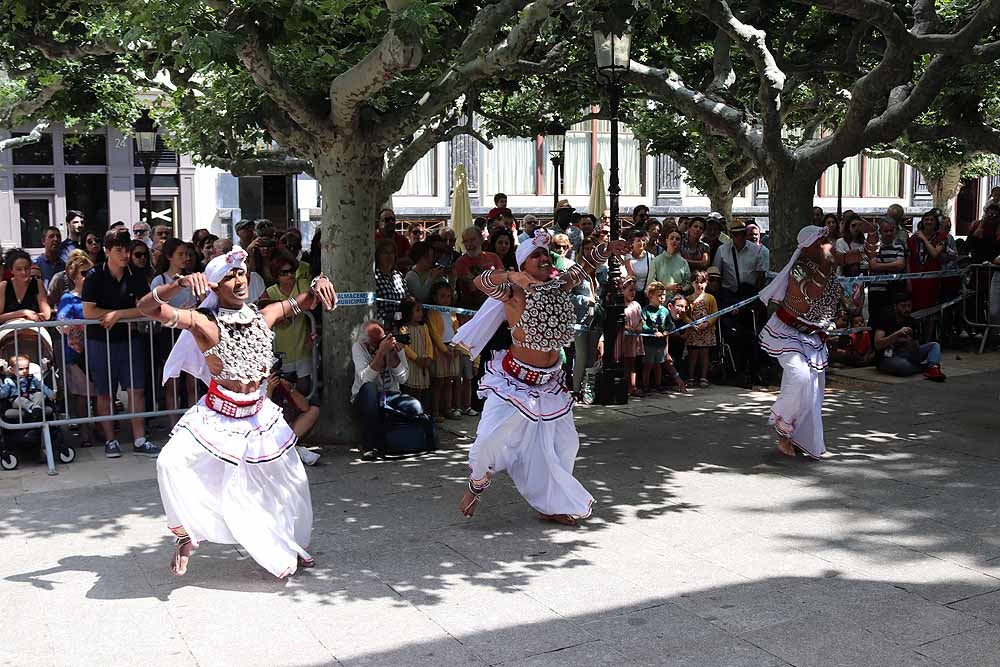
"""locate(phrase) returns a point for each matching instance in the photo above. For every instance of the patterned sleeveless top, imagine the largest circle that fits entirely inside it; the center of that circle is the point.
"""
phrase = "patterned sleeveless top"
(548, 318)
(245, 350)
(823, 309)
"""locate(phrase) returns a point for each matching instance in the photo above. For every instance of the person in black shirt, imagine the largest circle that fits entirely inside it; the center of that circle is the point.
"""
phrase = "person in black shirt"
(897, 352)
(115, 356)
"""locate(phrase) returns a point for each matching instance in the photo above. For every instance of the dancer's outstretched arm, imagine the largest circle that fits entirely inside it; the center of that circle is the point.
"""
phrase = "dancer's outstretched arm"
(320, 291)
(156, 307)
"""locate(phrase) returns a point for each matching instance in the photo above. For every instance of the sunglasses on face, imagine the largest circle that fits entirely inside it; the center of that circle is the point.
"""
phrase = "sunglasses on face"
(562, 247)
(286, 272)
(91, 241)
(388, 219)
(140, 255)
(138, 232)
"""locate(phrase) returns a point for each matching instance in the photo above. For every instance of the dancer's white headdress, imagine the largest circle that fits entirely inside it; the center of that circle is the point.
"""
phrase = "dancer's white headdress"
(185, 356)
(776, 290)
(474, 334)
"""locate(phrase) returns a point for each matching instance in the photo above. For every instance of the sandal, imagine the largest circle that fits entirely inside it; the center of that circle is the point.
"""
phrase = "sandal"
(703, 383)
(179, 563)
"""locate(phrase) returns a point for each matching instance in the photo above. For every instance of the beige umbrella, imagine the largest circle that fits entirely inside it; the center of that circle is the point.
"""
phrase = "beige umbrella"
(461, 208)
(598, 193)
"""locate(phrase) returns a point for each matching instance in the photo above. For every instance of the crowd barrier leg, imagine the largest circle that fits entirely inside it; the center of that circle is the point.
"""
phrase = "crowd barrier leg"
(49, 458)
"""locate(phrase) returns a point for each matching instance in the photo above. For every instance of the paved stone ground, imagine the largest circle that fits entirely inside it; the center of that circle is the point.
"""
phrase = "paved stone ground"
(704, 549)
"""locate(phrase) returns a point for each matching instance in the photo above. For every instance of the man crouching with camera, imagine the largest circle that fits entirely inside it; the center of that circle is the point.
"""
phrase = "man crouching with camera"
(379, 369)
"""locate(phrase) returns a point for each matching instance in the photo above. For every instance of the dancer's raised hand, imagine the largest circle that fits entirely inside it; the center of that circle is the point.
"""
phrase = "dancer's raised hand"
(197, 283)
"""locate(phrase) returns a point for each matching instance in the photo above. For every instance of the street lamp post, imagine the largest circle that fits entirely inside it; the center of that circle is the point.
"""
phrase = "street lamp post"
(145, 147)
(612, 62)
(840, 189)
(555, 139)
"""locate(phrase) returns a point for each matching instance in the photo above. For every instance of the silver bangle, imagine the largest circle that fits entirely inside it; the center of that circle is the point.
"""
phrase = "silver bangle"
(172, 322)
(296, 310)
(156, 297)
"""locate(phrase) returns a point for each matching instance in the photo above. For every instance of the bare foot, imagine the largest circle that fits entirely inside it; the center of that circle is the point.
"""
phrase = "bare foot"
(468, 504)
(564, 519)
(305, 564)
(182, 553)
(785, 447)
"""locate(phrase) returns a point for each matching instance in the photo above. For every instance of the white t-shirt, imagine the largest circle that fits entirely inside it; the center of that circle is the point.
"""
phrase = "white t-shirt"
(640, 269)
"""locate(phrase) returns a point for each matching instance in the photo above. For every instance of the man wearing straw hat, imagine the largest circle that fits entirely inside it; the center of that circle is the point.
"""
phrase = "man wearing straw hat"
(527, 424)
(808, 295)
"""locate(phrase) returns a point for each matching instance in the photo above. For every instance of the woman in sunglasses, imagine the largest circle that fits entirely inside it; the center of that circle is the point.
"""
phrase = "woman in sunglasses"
(138, 259)
(92, 244)
(291, 337)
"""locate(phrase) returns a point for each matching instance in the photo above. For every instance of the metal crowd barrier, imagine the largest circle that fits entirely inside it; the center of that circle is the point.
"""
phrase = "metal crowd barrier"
(43, 343)
(981, 292)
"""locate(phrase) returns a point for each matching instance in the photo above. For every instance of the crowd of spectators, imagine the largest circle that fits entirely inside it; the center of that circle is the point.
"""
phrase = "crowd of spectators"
(100, 276)
(678, 270)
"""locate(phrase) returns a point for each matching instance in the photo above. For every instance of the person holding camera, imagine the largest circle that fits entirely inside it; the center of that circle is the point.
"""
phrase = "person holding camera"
(295, 408)
(897, 350)
(380, 367)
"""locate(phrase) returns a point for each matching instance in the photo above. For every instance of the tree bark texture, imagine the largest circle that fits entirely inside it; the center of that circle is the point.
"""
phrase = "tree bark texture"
(945, 188)
(789, 209)
(721, 200)
(351, 183)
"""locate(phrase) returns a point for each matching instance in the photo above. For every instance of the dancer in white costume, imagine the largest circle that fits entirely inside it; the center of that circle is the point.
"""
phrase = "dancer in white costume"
(527, 424)
(809, 296)
(230, 472)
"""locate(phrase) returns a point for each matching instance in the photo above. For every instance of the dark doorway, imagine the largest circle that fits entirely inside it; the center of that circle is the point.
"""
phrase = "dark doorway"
(966, 206)
(278, 200)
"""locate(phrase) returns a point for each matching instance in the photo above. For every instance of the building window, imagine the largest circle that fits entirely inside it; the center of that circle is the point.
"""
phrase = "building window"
(852, 179)
(577, 162)
(38, 153)
(89, 193)
(865, 177)
(883, 177)
(422, 178)
(157, 181)
(629, 157)
(85, 149)
(34, 181)
(35, 217)
(510, 166)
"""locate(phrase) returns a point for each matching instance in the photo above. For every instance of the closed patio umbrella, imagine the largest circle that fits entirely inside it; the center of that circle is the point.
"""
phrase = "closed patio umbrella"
(598, 194)
(461, 208)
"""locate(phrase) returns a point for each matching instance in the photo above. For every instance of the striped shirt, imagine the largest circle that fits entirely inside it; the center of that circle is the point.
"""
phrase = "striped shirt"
(888, 253)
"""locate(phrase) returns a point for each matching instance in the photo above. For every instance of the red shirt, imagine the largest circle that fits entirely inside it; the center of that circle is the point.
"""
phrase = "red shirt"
(402, 244)
(466, 270)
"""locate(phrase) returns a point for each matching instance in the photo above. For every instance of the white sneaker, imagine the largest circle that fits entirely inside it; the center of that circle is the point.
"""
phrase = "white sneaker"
(308, 457)
(470, 412)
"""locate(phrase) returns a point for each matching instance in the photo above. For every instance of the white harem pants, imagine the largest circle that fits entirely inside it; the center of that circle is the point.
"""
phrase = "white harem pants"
(529, 432)
(797, 414)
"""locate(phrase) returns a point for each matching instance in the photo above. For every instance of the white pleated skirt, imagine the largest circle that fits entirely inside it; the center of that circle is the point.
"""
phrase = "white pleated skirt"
(238, 481)
(797, 414)
(528, 431)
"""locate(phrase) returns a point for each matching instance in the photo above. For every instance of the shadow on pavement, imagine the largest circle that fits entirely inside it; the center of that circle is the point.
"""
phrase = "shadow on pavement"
(911, 474)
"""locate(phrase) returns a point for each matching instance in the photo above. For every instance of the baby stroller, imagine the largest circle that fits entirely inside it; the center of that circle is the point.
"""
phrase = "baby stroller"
(15, 441)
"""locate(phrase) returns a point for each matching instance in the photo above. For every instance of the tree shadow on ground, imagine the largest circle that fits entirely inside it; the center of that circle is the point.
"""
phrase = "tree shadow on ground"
(802, 621)
(684, 478)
